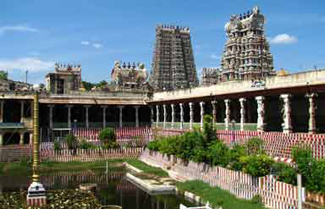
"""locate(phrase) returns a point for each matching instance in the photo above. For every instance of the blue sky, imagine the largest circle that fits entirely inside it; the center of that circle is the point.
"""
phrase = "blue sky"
(34, 34)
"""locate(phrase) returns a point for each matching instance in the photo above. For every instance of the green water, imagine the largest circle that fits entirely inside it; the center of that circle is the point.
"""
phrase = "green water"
(113, 188)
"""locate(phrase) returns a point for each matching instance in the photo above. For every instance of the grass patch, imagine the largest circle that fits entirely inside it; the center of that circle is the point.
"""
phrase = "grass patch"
(217, 196)
(22, 168)
(147, 168)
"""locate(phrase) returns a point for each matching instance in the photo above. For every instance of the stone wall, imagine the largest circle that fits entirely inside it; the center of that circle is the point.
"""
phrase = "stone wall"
(11, 153)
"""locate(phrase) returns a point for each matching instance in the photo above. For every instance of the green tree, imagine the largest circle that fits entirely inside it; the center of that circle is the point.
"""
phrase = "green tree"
(3, 75)
(101, 83)
(87, 85)
(107, 135)
(209, 131)
(108, 138)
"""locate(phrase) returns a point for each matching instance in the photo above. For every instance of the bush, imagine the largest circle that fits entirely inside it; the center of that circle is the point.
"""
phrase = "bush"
(153, 145)
(302, 155)
(110, 145)
(83, 144)
(190, 142)
(315, 180)
(254, 146)
(57, 146)
(285, 173)
(218, 154)
(257, 165)
(107, 135)
(234, 155)
(72, 142)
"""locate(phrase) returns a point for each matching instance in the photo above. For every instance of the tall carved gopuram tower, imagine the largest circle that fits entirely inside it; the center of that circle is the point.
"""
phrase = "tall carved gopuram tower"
(247, 52)
(173, 64)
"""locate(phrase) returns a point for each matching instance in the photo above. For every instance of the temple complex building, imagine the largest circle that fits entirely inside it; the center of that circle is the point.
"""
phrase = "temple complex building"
(173, 64)
(247, 52)
(65, 79)
(254, 98)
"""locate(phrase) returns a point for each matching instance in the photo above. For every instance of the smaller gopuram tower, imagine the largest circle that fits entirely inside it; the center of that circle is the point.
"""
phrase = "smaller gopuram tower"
(247, 52)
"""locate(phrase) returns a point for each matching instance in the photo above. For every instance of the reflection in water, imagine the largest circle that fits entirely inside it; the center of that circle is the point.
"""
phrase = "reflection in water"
(113, 188)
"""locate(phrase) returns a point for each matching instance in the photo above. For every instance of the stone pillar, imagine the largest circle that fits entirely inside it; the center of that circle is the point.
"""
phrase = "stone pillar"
(1, 139)
(31, 138)
(214, 111)
(191, 115)
(287, 126)
(136, 116)
(2, 102)
(181, 116)
(260, 113)
(121, 116)
(202, 114)
(22, 111)
(173, 115)
(157, 116)
(165, 115)
(242, 113)
(152, 115)
(87, 115)
(104, 115)
(69, 115)
(227, 118)
(21, 141)
(312, 113)
(51, 116)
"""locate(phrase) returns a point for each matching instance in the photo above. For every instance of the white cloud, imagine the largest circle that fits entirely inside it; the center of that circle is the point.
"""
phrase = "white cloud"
(283, 39)
(85, 43)
(27, 63)
(92, 44)
(17, 28)
(215, 57)
(97, 45)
